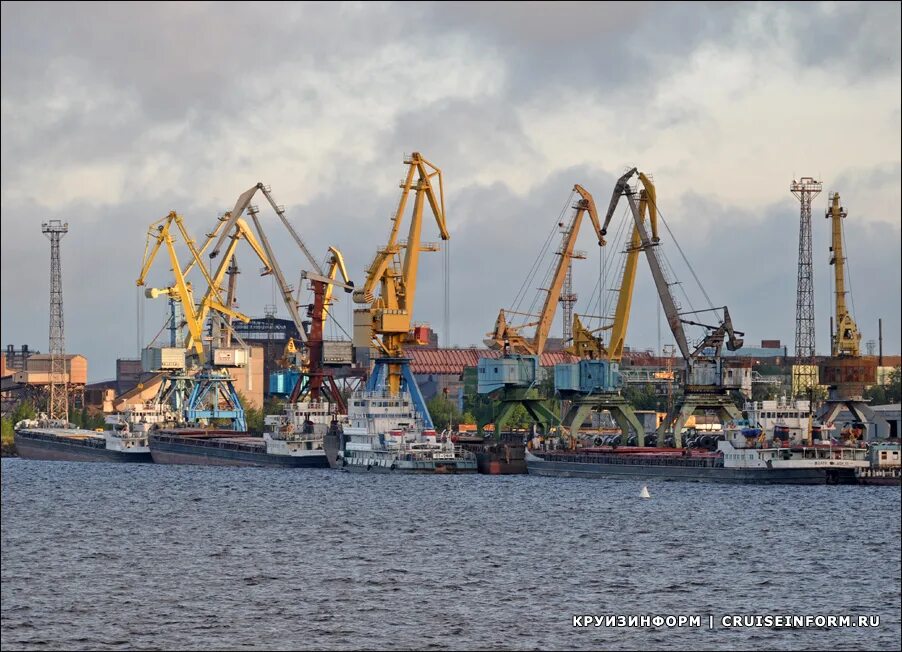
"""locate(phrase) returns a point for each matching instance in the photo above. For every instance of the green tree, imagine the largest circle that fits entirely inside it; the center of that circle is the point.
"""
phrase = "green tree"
(253, 416)
(519, 418)
(891, 392)
(443, 411)
(643, 397)
(468, 418)
(8, 433)
(24, 410)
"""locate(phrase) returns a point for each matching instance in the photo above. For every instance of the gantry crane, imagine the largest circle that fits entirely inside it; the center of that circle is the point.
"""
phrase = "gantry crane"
(513, 378)
(705, 387)
(211, 387)
(845, 373)
(160, 233)
(314, 380)
(594, 383)
(386, 323)
(207, 394)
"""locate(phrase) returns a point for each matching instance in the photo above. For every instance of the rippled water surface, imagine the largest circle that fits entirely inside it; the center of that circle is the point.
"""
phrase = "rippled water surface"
(107, 556)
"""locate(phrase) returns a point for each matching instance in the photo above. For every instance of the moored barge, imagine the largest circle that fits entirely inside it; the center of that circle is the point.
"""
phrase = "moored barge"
(56, 443)
(229, 448)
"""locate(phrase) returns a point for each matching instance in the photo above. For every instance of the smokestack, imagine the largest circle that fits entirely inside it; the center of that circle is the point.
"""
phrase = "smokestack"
(880, 338)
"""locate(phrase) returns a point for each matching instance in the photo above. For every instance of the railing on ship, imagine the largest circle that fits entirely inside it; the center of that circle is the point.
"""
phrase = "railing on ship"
(633, 460)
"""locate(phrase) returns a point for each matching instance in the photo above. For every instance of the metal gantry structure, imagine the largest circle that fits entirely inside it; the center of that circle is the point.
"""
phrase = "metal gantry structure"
(208, 393)
(845, 373)
(58, 402)
(514, 378)
(314, 380)
(386, 325)
(804, 372)
(706, 387)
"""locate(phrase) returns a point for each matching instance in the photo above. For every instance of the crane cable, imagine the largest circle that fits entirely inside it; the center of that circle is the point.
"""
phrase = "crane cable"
(447, 289)
(605, 268)
(847, 268)
(685, 259)
(521, 294)
(552, 268)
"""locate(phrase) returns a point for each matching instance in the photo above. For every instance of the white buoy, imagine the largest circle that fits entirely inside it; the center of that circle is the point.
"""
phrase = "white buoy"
(645, 493)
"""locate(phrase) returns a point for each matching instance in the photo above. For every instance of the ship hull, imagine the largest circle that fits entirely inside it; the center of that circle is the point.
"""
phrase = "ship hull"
(173, 449)
(490, 462)
(576, 469)
(42, 446)
(332, 445)
(493, 457)
(405, 466)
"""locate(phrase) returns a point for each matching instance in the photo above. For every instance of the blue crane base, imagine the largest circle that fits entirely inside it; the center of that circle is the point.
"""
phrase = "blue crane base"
(210, 389)
(376, 383)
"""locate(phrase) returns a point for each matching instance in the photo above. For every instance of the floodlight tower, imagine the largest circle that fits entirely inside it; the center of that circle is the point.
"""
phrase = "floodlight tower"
(804, 371)
(58, 407)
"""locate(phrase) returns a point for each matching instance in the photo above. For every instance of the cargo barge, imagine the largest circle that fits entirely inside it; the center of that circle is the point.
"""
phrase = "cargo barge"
(229, 448)
(34, 442)
(819, 464)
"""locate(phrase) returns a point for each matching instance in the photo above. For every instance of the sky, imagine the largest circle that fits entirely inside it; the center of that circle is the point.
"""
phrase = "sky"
(115, 114)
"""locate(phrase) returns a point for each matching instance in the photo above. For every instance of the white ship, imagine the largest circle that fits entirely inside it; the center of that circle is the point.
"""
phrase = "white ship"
(386, 434)
(783, 419)
(301, 429)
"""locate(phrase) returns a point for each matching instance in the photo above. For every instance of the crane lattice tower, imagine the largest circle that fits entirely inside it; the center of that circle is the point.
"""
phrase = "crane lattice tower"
(58, 407)
(804, 374)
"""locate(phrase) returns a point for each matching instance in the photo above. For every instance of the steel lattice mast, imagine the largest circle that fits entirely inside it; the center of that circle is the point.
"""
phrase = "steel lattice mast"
(58, 407)
(804, 373)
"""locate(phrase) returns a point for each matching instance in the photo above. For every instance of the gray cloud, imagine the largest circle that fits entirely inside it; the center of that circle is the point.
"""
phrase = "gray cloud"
(112, 115)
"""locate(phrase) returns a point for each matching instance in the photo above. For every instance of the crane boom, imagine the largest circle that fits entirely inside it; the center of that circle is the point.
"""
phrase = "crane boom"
(586, 204)
(336, 266)
(847, 339)
(390, 313)
(181, 290)
(269, 260)
(622, 188)
(583, 341)
(280, 211)
(509, 336)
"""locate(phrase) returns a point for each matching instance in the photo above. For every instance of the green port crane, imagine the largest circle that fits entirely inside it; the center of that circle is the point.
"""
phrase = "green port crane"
(706, 387)
(513, 379)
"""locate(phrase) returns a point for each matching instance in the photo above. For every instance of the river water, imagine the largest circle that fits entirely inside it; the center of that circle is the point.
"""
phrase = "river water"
(122, 556)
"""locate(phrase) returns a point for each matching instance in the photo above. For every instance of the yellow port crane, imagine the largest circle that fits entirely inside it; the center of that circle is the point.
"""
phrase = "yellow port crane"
(514, 379)
(160, 234)
(508, 337)
(336, 267)
(595, 382)
(386, 324)
(845, 340)
(846, 373)
(585, 344)
(210, 299)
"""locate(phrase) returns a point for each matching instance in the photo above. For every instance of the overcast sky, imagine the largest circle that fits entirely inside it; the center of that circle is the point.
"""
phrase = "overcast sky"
(115, 114)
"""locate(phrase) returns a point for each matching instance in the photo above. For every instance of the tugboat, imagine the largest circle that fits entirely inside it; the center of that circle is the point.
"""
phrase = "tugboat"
(386, 434)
